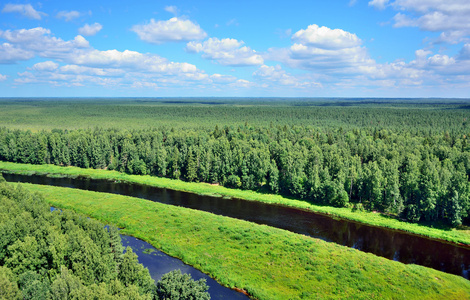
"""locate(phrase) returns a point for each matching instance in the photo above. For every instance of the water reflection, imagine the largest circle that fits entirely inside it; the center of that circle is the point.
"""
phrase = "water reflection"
(403, 247)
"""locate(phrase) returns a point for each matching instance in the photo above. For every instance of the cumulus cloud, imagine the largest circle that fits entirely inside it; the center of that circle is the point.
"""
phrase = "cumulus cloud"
(276, 75)
(378, 4)
(89, 30)
(88, 66)
(242, 83)
(173, 30)
(45, 66)
(230, 52)
(448, 17)
(464, 53)
(343, 62)
(219, 78)
(24, 9)
(326, 38)
(68, 15)
(3, 77)
(443, 65)
(10, 54)
(131, 60)
(323, 49)
(39, 41)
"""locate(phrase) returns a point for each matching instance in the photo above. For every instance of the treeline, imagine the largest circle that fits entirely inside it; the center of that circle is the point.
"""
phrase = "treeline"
(419, 175)
(61, 255)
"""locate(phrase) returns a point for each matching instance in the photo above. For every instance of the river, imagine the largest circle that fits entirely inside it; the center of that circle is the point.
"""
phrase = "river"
(391, 244)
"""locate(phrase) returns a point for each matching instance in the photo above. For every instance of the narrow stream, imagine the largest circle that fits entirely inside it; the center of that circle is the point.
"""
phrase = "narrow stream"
(391, 244)
(159, 264)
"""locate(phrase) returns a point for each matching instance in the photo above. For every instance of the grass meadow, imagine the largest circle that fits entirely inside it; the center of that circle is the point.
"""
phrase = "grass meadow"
(266, 262)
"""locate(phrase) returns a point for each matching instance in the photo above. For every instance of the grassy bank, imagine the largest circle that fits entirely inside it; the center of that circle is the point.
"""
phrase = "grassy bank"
(267, 262)
(376, 219)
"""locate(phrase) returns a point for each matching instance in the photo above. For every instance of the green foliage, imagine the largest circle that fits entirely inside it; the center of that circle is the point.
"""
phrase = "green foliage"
(8, 285)
(402, 157)
(32, 286)
(133, 273)
(54, 255)
(175, 286)
(268, 263)
(415, 174)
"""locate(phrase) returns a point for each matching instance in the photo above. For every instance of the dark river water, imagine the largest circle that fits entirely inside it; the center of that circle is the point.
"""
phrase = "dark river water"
(391, 244)
(159, 264)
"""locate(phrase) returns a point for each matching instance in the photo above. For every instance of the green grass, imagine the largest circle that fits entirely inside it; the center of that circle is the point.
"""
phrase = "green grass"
(268, 263)
(460, 235)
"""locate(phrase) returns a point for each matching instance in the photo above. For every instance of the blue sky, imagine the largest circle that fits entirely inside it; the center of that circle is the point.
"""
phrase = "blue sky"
(351, 48)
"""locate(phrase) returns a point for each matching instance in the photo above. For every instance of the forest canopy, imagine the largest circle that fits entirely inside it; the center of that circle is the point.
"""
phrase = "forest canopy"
(417, 175)
(62, 255)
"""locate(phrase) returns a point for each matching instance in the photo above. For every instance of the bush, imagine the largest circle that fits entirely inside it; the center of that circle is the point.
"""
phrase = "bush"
(175, 285)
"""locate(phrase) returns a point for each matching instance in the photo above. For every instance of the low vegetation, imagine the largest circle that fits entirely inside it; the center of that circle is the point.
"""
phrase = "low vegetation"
(268, 263)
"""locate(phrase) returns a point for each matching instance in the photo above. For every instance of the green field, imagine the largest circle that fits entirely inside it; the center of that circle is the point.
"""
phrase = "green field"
(460, 235)
(268, 263)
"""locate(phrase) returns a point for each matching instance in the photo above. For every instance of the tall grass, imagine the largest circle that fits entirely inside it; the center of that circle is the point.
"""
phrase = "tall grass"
(268, 263)
(461, 236)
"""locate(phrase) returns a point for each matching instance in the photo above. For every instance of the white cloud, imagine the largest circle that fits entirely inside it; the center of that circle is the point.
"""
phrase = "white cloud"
(448, 17)
(144, 84)
(464, 53)
(242, 83)
(89, 30)
(3, 77)
(171, 9)
(230, 52)
(443, 65)
(323, 49)
(39, 41)
(326, 38)
(424, 6)
(130, 60)
(10, 54)
(379, 4)
(173, 30)
(68, 15)
(45, 66)
(219, 78)
(278, 76)
(24, 9)
(75, 69)
(343, 63)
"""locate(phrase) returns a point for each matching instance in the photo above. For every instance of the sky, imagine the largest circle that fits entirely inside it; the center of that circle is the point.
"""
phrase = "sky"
(350, 48)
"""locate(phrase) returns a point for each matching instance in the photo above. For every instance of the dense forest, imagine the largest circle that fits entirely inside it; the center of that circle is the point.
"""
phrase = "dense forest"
(62, 255)
(417, 173)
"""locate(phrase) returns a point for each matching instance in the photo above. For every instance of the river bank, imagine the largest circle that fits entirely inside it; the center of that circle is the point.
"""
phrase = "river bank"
(268, 263)
(460, 236)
